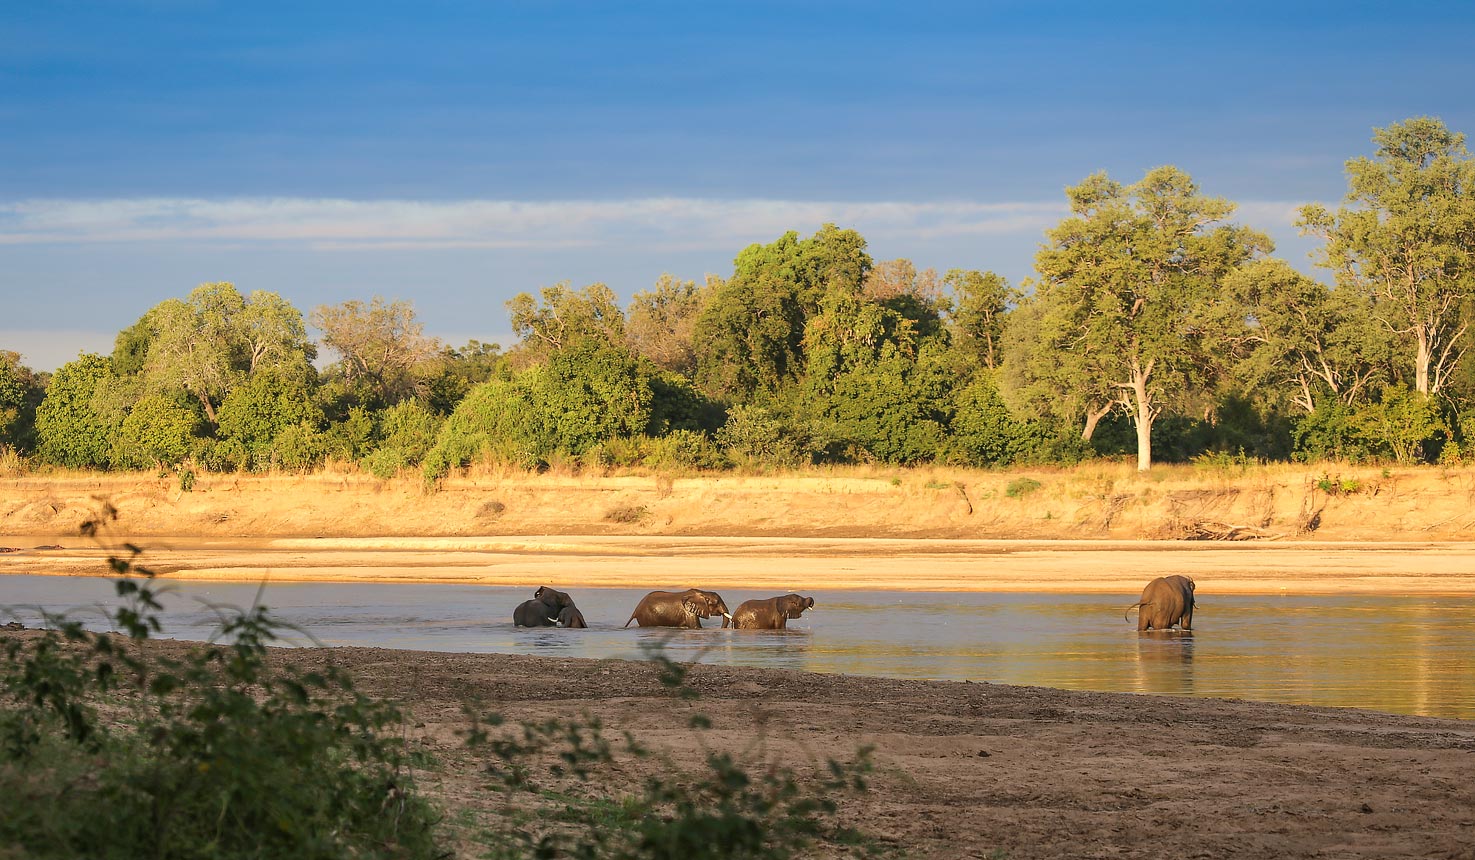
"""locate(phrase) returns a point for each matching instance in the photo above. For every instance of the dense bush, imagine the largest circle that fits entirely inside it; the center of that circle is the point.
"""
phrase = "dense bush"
(159, 431)
(73, 426)
(258, 413)
(1401, 426)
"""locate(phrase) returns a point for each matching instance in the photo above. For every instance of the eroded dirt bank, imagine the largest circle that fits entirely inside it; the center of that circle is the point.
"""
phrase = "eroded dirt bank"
(1093, 501)
(963, 769)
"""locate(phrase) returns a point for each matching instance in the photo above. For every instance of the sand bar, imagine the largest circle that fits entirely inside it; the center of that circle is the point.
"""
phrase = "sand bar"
(820, 563)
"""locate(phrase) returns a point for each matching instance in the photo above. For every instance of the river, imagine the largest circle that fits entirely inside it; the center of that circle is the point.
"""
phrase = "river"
(1403, 654)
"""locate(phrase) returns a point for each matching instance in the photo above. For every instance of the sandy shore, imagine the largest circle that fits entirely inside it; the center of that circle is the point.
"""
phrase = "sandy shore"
(573, 561)
(965, 770)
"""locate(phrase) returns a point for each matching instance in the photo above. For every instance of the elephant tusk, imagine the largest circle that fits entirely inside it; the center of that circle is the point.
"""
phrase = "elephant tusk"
(728, 617)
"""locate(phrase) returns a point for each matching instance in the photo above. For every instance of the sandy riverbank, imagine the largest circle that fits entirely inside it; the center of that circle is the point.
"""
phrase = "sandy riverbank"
(964, 770)
(1117, 567)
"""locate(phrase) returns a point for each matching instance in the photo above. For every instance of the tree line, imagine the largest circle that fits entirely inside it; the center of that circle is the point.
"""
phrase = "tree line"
(1154, 326)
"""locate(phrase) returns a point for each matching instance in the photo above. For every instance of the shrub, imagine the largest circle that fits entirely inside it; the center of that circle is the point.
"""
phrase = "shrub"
(753, 434)
(627, 514)
(684, 449)
(221, 755)
(408, 426)
(159, 430)
(385, 463)
(298, 448)
(1021, 487)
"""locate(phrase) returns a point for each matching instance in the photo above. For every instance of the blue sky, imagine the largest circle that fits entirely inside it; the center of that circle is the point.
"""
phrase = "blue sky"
(454, 154)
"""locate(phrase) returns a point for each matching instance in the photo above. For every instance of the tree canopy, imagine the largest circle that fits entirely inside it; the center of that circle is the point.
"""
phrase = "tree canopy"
(1127, 287)
(1406, 239)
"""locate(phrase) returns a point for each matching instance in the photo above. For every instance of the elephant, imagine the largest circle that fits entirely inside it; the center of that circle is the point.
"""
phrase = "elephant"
(679, 609)
(1166, 601)
(548, 608)
(570, 616)
(771, 614)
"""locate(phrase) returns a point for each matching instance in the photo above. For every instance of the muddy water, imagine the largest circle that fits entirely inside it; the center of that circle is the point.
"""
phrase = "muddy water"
(1412, 655)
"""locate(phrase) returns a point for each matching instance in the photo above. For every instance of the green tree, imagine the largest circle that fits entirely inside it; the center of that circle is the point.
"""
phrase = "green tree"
(460, 370)
(131, 346)
(382, 348)
(1304, 338)
(1040, 382)
(273, 335)
(20, 391)
(981, 303)
(406, 432)
(660, 322)
(561, 317)
(256, 413)
(210, 342)
(983, 432)
(1128, 283)
(191, 346)
(494, 420)
(1406, 238)
(875, 380)
(73, 426)
(749, 338)
(587, 393)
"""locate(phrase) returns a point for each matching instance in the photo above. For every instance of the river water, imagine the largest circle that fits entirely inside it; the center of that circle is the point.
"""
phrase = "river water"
(1413, 655)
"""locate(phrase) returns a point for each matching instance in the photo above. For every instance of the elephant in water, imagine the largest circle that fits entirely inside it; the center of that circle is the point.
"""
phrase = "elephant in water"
(570, 616)
(771, 614)
(1166, 601)
(679, 609)
(548, 608)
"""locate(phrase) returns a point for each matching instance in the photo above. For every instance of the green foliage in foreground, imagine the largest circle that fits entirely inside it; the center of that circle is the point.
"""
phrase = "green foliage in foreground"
(110, 751)
(106, 751)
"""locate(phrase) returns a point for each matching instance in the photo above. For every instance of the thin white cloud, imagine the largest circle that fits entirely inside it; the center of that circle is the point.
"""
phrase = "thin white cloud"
(658, 222)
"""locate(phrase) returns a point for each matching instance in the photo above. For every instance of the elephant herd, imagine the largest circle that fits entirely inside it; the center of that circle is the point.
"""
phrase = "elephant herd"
(1166, 602)
(552, 608)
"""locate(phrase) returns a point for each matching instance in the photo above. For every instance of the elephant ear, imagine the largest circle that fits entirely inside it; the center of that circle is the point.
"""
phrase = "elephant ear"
(694, 608)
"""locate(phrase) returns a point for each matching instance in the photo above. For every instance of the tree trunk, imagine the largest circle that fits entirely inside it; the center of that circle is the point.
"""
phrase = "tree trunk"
(209, 410)
(1092, 419)
(1422, 361)
(1144, 438)
(1143, 417)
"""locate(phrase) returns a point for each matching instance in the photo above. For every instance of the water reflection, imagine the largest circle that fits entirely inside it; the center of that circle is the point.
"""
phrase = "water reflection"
(1165, 662)
(1401, 654)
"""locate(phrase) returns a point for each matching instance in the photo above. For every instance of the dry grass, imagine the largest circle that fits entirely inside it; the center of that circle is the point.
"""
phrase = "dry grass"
(1094, 500)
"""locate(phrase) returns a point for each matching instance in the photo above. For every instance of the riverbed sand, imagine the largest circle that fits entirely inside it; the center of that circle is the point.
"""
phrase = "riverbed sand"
(966, 770)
